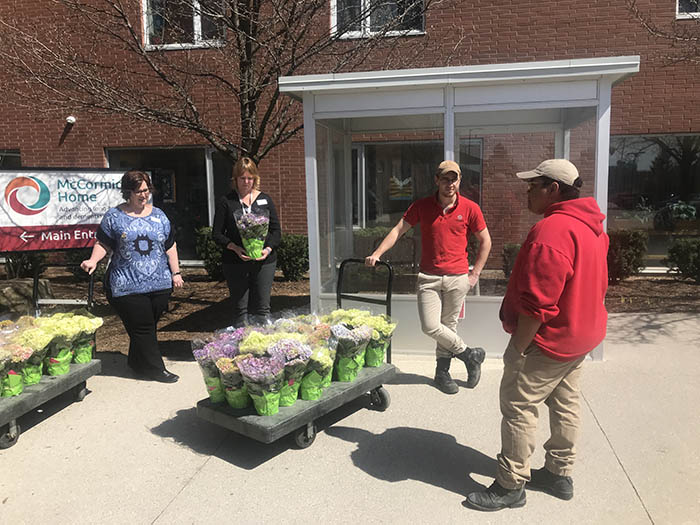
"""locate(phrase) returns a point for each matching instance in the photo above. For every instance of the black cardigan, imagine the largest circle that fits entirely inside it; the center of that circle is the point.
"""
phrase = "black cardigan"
(225, 229)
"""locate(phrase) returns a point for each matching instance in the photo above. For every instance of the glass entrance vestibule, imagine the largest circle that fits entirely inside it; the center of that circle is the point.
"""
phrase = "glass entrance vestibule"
(373, 141)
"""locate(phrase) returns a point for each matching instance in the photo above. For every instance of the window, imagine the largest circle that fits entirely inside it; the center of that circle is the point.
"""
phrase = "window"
(360, 18)
(688, 8)
(183, 23)
(9, 159)
(654, 186)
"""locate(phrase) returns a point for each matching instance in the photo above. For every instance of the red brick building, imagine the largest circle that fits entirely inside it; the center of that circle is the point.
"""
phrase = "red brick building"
(655, 146)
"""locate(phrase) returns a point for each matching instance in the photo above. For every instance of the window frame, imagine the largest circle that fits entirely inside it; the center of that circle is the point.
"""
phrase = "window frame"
(366, 31)
(683, 15)
(198, 42)
(14, 153)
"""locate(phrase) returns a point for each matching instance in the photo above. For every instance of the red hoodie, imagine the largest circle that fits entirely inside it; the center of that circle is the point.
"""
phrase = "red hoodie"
(560, 278)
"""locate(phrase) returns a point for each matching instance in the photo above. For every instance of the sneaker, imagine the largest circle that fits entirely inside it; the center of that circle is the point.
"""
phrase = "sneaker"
(443, 380)
(496, 498)
(472, 358)
(561, 487)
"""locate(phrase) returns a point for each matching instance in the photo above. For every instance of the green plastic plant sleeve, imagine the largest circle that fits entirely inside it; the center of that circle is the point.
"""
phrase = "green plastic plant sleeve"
(267, 403)
(289, 393)
(374, 356)
(11, 384)
(215, 390)
(254, 247)
(347, 368)
(237, 397)
(311, 386)
(60, 364)
(31, 374)
(83, 352)
(326, 379)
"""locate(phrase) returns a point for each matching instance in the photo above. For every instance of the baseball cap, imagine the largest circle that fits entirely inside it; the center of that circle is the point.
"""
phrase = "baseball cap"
(447, 166)
(560, 170)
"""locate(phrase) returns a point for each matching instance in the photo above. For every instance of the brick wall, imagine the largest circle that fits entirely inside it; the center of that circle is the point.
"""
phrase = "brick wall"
(458, 32)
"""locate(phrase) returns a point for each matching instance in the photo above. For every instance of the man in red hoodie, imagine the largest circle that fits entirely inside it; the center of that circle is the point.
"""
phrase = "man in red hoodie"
(554, 309)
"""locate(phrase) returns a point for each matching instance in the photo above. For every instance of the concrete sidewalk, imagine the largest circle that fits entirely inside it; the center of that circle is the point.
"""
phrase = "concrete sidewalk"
(135, 451)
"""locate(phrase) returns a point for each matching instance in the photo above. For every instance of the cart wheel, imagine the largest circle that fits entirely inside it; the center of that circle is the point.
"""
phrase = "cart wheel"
(379, 399)
(9, 434)
(80, 391)
(304, 436)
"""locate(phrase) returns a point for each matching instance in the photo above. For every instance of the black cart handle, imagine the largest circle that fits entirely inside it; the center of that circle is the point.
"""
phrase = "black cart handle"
(386, 302)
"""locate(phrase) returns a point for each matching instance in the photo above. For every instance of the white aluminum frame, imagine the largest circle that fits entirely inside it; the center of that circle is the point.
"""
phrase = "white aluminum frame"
(517, 86)
(196, 30)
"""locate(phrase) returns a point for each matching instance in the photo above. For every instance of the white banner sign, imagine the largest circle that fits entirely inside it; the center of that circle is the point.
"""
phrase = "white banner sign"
(54, 209)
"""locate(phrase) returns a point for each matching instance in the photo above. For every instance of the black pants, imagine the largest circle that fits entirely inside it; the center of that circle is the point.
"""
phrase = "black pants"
(140, 314)
(250, 284)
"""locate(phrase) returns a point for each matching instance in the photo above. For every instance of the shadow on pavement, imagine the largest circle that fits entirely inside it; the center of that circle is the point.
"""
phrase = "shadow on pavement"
(404, 453)
(409, 379)
(203, 437)
(650, 327)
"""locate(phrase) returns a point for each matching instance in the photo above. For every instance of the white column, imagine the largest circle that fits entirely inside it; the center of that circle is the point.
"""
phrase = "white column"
(449, 123)
(602, 150)
(312, 201)
(211, 198)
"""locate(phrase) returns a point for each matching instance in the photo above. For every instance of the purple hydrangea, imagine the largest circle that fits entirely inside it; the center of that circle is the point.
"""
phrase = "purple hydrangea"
(261, 370)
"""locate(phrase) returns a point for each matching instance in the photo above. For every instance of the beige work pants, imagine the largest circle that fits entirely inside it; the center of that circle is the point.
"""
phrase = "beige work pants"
(528, 380)
(440, 299)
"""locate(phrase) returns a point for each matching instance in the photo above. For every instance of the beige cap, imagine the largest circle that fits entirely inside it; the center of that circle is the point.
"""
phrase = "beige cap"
(447, 166)
(556, 169)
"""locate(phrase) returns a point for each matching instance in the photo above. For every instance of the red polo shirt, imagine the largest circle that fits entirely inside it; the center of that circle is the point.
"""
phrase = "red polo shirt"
(444, 236)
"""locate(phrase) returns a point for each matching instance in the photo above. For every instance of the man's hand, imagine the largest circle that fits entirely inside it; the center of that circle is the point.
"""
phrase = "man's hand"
(178, 282)
(473, 278)
(266, 251)
(239, 251)
(88, 265)
(371, 260)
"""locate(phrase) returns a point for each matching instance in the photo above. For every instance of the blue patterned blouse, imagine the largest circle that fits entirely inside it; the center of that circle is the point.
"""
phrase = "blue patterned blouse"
(139, 263)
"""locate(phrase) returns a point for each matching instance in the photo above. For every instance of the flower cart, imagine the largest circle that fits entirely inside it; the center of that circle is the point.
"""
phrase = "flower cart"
(67, 365)
(298, 418)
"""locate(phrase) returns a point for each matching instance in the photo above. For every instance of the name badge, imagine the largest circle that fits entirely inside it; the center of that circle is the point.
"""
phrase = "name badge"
(261, 201)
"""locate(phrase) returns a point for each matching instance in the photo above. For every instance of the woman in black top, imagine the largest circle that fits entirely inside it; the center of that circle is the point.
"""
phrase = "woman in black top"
(249, 280)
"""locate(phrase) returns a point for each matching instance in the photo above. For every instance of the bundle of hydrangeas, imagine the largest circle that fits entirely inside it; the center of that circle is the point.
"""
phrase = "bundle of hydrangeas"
(210, 373)
(295, 356)
(224, 351)
(38, 341)
(264, 378)
(15, 359)
(57, 362)
(257, 342)
(84, 343)
(318, 372)
(382, 330)
(253, 228)
(350, 348)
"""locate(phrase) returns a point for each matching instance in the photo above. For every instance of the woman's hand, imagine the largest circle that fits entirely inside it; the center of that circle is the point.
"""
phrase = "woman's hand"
(88, 265)
(266, 251)
(238, 251)
(178, 281)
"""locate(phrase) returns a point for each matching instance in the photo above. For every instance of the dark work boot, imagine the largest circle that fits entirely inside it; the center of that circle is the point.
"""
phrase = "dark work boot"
(561, 487)
(472, 358)
(443, 380)
(496, 498)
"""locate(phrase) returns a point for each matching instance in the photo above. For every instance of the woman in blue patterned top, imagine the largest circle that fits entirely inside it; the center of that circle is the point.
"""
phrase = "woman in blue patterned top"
(142, 271)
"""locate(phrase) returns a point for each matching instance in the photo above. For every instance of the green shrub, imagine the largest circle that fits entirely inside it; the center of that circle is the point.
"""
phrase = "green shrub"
(626, 254)
(510, 253)
(293, 256)
(19, 265)
(684, 258)
(210, 252)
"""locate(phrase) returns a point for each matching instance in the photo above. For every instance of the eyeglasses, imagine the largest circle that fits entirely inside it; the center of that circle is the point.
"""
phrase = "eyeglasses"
(141, 192)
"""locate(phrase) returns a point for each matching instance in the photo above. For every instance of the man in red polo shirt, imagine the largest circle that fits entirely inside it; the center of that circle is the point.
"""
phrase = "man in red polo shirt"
(446, 220)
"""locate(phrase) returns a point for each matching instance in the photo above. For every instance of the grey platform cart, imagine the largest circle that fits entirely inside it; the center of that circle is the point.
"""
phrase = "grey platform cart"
(12, 408)
(299, 419)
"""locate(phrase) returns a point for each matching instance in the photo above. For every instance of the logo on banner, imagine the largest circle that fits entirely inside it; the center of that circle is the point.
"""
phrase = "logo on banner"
(38, 199)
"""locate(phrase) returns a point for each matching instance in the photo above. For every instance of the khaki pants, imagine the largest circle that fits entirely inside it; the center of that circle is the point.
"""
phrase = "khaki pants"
(528, 381)
(440, 299)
